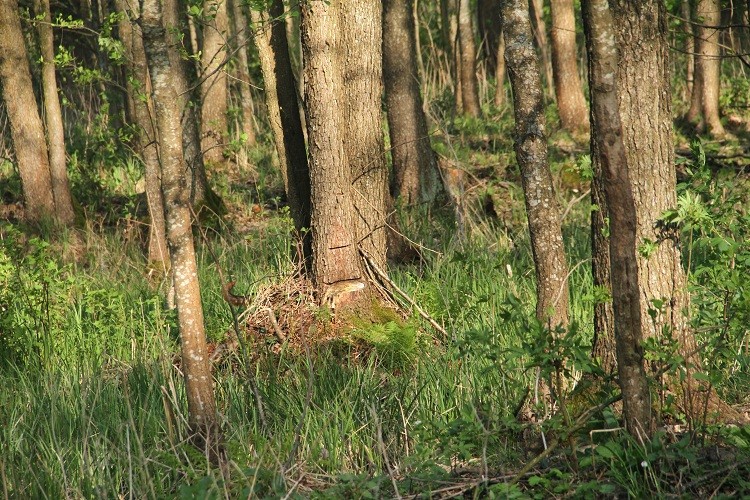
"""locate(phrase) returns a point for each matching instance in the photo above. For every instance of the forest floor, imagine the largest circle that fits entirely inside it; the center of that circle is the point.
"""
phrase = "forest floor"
(92, 402)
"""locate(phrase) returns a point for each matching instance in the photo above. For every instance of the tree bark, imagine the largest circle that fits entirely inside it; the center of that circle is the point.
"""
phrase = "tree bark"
(53, 118)
(542, 208)
(26, 127)
(571, 104)
(247, 118)
(283, 112)
(165, 66)
(609, 150)
(500, 96)
(708, 13)
(417, 179)
(140, 92)
(214, 81)
(536, 12)
(343, 73)
(468, 61)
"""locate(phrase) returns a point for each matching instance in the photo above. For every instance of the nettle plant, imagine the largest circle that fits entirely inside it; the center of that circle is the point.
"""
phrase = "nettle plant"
(712, 214)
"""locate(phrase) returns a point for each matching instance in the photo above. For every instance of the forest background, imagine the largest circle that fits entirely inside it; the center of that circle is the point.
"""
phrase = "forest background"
(374, 249)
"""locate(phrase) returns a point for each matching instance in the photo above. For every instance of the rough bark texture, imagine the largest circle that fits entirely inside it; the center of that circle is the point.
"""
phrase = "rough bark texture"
(531, 153)
(708, 13)
(414, 163)
(284, 116)
(214, 81)
(139, 88)
(164, 65)
(606, 134)
(571, 104)
(26, 127)
(343, 73)
(242, 38)
(53, 119)
(468, 61)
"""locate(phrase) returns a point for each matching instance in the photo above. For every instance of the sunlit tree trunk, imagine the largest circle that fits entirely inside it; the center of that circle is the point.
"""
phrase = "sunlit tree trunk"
(26, 127)
(500, 96)
(536, 12)
(708, 14)
(542, 208)
(571, 104)
(283, 114)
(164, 65)
(242, 38)
(343, 74)
(53, 118)
(608, 151)
(468, 60)
(415, 166)
(139, 88)
(214, 81)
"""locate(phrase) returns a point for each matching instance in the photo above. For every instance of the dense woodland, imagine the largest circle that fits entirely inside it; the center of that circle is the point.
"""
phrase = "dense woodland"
(365, 249)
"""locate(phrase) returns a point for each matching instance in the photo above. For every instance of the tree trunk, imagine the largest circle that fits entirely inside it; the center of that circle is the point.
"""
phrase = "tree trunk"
(341, 43)
(132, 39)
(609, 150)
(214, 81)
(536, 9)
(26, 127)
(542, 207)
(165, 66)
(468, 60)
(284, 116)
(709, 63)
(416, 177)
(53, 118)
(647, 126)
(687, 28)
(247, 118)
(499, 97)
(571, 104)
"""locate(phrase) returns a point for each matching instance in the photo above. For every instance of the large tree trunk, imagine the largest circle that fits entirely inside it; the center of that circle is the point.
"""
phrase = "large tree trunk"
(468, 61)
(242, 75)
(53, 118)
(416, 176)
(26, 127)
(165, 67)
(542, 208)
(284, 116)
(214, 81)
(571, 104)
(140, 91)
(342, 51)
(608, 151)
(708, 14)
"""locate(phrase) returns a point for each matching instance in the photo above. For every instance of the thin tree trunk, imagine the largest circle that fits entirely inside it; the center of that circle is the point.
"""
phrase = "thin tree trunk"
(214, 81)
(284, 116)
(709, 63)
(689, 48)
(468, 60)
(571, 104)
(132, 39)
(416, 176)
(165, 67)
(26, 127)
(542, 208)
(53, 118)
(536, 9)
(500, 96)
(241, 29)
(609, 150)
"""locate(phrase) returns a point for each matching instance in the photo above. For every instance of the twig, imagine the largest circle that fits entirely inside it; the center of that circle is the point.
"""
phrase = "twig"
(279, 334)
(383, 276)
